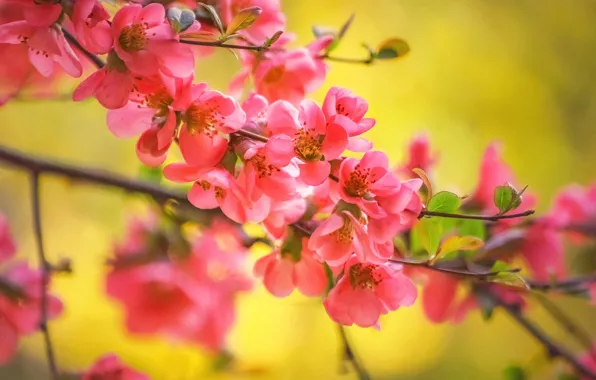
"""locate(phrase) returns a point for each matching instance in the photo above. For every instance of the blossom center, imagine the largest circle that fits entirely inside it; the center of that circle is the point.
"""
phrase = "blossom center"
(363, 276)
(307, 145)
(133, 37)
(159, 100)
(344, 235)
(262, 166)
(274, 74)
(202, 119)
(341, 110)
(358, 182)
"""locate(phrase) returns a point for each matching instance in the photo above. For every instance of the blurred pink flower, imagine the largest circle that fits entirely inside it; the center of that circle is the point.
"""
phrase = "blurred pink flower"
(91, 26)
(270, 21)
(110, 367)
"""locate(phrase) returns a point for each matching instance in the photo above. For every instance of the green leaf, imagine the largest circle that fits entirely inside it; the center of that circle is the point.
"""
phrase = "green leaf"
(320, 31)
(486, 303)
(214, 16)
(151, 174)
(428, 232)
(243, 19)
(444, 201)
(392, 48)
(507, 198)
(273, 39)
(471, 227)
(180, 19)
(514, 372)
(460, 243)
(201, 36)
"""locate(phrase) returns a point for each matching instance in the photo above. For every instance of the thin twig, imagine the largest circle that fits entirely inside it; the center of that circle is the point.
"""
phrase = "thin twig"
(45, 278)
(564, 285)
(224, 45)
(492, 218)
(569, 325)
(364, 61)
(552, 347)
(92, 57)
(350, 355)
(452, 271)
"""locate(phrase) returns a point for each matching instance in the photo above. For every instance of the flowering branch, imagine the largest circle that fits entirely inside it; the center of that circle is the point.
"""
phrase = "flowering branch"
(224, 45)
(563, 285)
(554, 350)
(45, 275)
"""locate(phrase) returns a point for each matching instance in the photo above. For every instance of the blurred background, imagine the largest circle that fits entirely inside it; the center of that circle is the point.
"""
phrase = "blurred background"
(520, 72)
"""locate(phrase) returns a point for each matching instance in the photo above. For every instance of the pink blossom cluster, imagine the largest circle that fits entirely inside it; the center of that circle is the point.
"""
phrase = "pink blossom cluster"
(183, 288)
(20, 297)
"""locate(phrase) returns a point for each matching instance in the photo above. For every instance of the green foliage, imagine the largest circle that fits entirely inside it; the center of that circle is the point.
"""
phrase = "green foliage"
(507, 275)
(428, 232)
(444, 201)
(180, 19)
(392, 48)
(272, 39)
(243, 19)
(470, 227)
(213, 16)
(459, 243)
(507, 198)
(514, 372)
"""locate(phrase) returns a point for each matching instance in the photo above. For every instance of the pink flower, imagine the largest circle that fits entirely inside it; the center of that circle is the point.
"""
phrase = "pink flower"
(543, 249)
(283, 213)
(110, 367)
(91, 27)
(39, 14)
(575, 207)
(7, 245)
(342, 234)
(402, 208)
(20, 313)
(419, 156)
(208, 115)
(148, 44)
(367, 291)
(316, 141)
(270, 21)
(212, 188)
(287, 75)
(110, 85)
(282, 273)
(362, 180)
(46, 46)
(439, 296)
(341, 103)
(263, 169)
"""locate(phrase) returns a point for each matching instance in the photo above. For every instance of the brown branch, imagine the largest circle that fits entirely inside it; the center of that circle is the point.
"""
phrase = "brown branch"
(492, 218)
(98, 62)
(349, 355)
(563, 285)
(554, 350)
(581, 335)
(364, 61)
(224, 45)
(45, 275)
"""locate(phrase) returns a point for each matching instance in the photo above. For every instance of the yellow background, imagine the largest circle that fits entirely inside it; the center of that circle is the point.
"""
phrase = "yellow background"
(521, 72)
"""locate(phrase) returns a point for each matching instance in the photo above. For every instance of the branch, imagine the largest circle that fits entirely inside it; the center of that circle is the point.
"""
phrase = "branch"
(552, 347)
(350, 356)
(437, 268)
(92, 57)
(493, 218)
(365, 61)
(37, 165)
(45, 275)
(224, 45)
(569, 325)
(568, 284)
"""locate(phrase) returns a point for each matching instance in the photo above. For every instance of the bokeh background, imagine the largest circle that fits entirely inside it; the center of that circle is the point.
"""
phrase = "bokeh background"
(518, 71)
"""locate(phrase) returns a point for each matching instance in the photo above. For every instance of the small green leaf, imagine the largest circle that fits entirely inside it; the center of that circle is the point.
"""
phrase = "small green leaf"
(428, 232)
(151, 174)
(214, 16)
(392, 48)
(444, 201)
(243, 19)
(507, 198)
(471, 227)
(201, 36)
(180, 19)
(460, 243)
(514, 372)
(273, 39)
